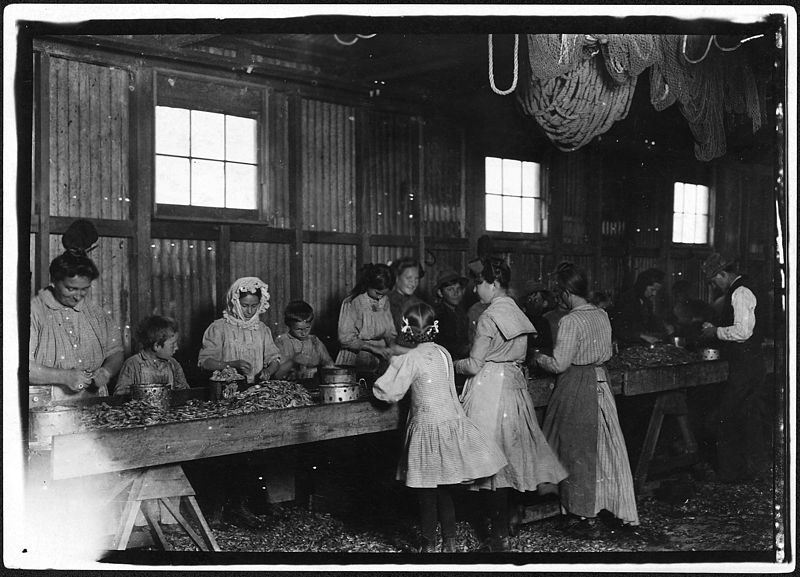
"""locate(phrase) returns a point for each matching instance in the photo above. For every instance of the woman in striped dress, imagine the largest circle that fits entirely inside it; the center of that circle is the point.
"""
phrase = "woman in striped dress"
(366, 328)
(496, 398)
(442, 446)
(581, 422)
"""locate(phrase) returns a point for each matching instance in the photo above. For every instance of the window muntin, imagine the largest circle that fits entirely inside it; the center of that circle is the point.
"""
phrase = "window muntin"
(514, 201)
(690, 213)
(206, 159)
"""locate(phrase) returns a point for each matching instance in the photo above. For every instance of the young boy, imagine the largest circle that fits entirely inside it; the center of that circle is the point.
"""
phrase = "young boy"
(158, 337)
(303, 353)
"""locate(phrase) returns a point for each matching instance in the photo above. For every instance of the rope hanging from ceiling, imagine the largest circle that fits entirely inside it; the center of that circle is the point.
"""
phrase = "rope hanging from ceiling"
(516, 67)
(579, 85)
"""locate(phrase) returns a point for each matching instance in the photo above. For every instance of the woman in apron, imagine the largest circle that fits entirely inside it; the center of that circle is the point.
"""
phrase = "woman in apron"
(581, 423)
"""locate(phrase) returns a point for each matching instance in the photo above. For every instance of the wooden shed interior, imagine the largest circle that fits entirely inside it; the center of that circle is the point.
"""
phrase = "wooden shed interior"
(371, 145)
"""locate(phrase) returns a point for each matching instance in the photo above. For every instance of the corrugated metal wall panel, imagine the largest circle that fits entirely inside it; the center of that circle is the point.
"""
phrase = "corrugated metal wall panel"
(527, 267)
(387, 254)
(571, 179)
(32, 264)
(276, 195)
(328, 166)
(111, 290)
(88, 140)
(389, 161)
(183, 287)
(329, 274)
(270, 263)
(613, 271)
(443, 209)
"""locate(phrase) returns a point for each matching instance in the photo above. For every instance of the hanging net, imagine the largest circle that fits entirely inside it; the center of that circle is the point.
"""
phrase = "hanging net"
(709, 86)
(579, 85)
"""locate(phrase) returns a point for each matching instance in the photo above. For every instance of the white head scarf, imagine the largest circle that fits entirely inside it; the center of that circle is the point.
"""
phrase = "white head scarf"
(233, 313)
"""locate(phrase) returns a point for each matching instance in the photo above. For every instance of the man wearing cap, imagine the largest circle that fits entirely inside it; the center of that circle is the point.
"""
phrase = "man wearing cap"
(452, 316)
(741, 451)
(537, 302)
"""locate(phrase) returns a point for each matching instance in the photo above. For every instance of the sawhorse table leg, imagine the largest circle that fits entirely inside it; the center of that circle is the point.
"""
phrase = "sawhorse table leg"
(670, 403)
(166, 484)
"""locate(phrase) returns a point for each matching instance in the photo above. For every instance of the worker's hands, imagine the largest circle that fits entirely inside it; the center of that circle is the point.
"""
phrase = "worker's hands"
(380, 351)
(242, 366)
(302, 360)
(709, 331)
(101, 377)
(77, 380)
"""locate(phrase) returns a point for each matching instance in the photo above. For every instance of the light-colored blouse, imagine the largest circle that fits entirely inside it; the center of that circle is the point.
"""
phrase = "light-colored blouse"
(79, 337)
(362, 321)
(225, 342)
(584, 338)
(500, 336)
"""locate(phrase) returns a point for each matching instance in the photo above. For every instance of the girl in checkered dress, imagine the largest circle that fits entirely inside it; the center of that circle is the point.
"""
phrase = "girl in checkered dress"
(442, 446)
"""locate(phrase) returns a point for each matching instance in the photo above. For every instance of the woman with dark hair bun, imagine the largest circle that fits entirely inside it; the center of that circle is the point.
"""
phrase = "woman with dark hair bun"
(366, 329)
(581, 423)
(496, 398)
(75, 346)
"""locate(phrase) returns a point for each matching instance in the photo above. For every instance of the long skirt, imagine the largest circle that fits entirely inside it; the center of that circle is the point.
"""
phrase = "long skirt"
(582, 427)
(498, 402)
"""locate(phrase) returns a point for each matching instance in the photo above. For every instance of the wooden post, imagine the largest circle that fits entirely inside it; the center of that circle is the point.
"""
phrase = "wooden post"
(296, 196)
(141, 175)
(41, 173)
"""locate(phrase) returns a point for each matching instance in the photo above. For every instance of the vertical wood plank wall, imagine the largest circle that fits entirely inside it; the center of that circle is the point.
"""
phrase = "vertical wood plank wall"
(343, 184)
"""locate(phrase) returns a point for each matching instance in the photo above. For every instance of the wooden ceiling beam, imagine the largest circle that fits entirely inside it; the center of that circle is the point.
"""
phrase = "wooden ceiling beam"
(181, 40)
(393, 70)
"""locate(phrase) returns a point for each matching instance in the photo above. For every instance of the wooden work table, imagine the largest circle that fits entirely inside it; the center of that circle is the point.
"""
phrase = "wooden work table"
(150, 456)
(107, 450)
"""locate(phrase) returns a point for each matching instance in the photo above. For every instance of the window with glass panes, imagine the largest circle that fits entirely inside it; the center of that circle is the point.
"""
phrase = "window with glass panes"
(206, 159)
(690, 213)
(514, 201)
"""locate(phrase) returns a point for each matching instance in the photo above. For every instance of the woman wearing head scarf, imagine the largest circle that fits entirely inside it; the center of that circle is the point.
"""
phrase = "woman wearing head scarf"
(239, 339)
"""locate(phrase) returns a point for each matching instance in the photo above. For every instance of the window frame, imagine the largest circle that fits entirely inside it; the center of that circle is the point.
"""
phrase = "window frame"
(709, 216)
(542, 199)
(206, 102)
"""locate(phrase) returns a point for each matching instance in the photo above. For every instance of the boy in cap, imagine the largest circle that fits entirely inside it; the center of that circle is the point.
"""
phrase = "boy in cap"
(451, 314)
(742, 453)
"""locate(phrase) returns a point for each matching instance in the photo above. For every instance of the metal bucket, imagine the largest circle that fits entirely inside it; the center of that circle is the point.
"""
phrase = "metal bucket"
(45, 422)
(156, 395)
(341, 392)
(338, 375)
(39, 396)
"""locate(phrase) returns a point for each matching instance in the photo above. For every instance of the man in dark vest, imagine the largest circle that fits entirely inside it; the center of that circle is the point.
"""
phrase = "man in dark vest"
(742, 453)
